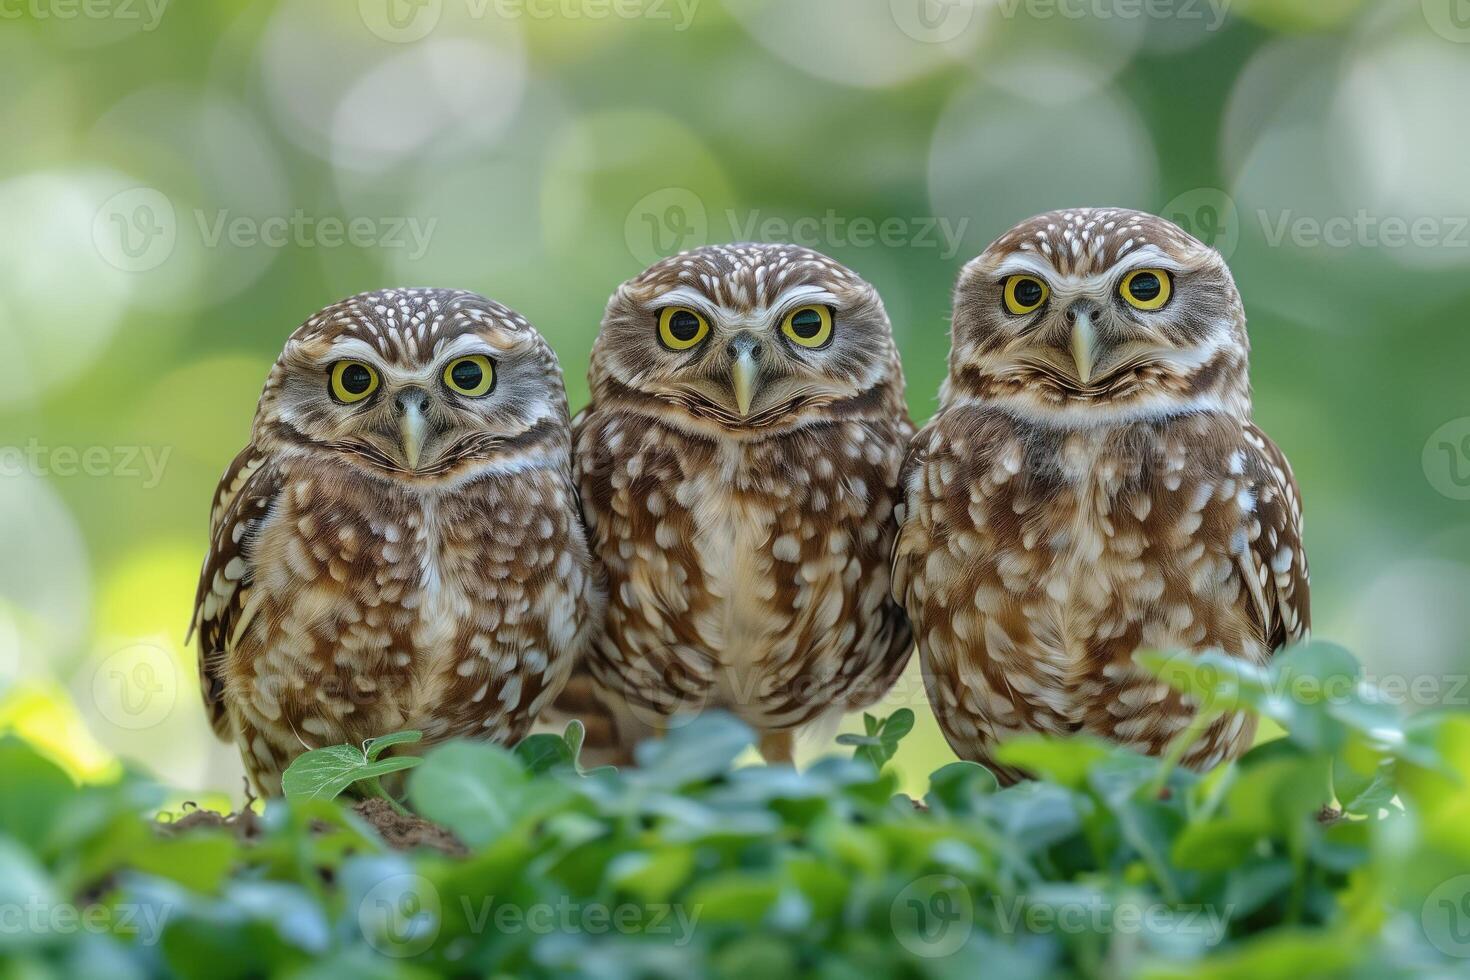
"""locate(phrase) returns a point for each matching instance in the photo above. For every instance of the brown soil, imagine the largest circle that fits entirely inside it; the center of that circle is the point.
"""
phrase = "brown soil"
(404, 831)
(400, 831)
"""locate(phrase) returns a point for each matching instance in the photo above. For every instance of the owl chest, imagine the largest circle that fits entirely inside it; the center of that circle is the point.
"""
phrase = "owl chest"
(732, 546)
(365, 587)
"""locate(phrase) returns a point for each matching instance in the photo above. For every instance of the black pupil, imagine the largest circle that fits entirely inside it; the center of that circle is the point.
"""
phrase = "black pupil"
(1028, 292)
(684, 325)
(356, 379)
(806, 324)
(466, 374)
(1145, 287)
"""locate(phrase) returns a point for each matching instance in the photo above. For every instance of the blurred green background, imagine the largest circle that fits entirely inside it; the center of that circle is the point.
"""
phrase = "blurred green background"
(183, 183)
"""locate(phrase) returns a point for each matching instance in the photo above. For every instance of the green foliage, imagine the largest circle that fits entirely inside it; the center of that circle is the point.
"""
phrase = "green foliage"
(1109, 864)
(326, 773)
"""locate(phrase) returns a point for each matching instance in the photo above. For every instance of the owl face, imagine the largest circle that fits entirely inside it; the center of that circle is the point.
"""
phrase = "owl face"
(412, 383)
(1096, 314)
(744, 336)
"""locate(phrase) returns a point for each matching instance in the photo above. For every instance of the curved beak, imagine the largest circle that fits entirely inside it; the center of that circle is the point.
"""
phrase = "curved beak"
(1083, 345)
(745, 370)
(743, 376)
(413, 427)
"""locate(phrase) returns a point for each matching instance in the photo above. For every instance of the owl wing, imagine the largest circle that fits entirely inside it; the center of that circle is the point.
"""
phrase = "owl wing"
(1274, 561)
(904, 543)
(245, 496)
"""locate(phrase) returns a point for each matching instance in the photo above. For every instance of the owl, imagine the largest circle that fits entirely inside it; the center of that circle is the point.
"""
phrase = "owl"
(399, 546)
(1091, 485)
(738, 467)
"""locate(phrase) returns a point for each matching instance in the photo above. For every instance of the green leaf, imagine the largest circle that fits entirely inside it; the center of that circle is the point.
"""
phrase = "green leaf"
(543, 752)
(703, 748)
(375, 747)
(574, 736)
(479, 790)
(30, 815)
(880, 744)
(324, 774)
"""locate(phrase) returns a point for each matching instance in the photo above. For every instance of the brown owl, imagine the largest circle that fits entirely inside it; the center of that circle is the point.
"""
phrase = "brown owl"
(739, 468)
(399, 546)
(1092, 485)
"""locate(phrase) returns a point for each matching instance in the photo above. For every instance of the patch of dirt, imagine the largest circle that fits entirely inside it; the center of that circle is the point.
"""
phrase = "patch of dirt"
(400, 831)
(405, 831)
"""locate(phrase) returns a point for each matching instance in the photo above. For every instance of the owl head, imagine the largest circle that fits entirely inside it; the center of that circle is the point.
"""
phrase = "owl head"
(415, 384)
(746, 337)
(1093, 315)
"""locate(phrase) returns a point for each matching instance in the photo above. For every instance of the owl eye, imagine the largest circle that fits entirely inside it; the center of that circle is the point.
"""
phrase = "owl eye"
(808, 326)
(471, 376)
(680, 328)
(352, 381)
(1146, 289)
(1024, 294)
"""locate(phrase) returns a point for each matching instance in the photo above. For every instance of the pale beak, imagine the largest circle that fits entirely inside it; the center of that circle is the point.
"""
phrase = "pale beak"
(743, 374)
(1084, 339)
(412, 428)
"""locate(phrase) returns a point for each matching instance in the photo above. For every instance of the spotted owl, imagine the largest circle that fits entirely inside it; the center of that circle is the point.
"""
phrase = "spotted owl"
(399, 546)
(1092, 485)
(738, 466)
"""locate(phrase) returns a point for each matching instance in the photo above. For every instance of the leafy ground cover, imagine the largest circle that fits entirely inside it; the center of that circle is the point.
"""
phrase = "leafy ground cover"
(1341, 849)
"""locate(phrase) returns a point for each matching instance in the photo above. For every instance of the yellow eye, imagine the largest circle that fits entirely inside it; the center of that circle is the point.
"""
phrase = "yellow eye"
(1025, 293)
(809, 326)
(680, 328)
(471, 376)
(352, 381)
(1146, 289)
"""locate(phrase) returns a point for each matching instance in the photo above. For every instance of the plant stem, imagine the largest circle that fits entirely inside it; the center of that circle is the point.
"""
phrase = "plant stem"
(375, 788)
